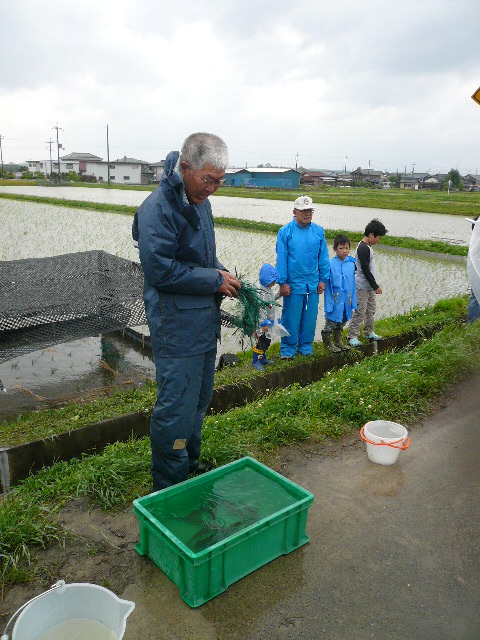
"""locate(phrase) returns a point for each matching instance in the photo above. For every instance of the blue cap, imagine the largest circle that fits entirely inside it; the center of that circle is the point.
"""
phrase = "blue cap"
(268, 274)
(267, 323)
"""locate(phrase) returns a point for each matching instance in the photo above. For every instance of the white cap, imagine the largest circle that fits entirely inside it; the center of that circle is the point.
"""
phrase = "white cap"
(302, 203)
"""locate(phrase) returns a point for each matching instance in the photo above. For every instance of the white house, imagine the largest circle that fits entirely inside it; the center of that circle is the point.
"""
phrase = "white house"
(47, 167)
(122, 171)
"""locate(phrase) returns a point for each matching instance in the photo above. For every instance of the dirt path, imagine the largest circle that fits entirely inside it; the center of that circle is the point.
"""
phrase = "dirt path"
(393, 551)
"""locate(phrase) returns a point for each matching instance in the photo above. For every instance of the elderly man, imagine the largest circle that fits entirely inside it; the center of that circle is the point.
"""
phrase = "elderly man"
(184, 284)
(303, 265)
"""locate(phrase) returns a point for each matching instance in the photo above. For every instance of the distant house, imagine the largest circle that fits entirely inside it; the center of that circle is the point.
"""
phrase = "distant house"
(266, 177)
(50, 166)
(158, 168)
(414, 180)
(319, 178)
(368, 175)
(81, 163)
(471, 182)
(132, 171)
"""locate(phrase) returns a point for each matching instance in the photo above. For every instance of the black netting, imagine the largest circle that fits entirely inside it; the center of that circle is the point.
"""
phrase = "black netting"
(47, 301)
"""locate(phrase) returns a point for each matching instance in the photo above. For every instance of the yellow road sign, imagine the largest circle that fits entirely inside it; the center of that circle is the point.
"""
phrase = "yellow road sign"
(476, 96)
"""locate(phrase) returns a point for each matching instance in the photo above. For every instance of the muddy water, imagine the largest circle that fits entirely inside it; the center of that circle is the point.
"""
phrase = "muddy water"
(399, 223)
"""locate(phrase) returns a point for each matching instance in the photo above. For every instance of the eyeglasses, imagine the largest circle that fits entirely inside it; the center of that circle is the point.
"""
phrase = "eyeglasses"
(208, 181)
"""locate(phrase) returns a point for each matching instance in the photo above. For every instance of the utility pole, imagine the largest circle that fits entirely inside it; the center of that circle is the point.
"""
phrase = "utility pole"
(108, 159)
(50, 142)
(346, 164)
(1, 153)
(296, 161)
(58, 150)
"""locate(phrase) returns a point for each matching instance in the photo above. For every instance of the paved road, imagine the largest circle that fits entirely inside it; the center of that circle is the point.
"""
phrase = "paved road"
(394, 551)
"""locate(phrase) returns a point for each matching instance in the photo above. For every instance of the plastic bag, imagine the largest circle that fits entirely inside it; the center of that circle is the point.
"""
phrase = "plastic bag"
(473, 261)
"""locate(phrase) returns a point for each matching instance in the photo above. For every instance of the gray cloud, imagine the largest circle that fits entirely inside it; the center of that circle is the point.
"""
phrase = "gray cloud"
(380, 81)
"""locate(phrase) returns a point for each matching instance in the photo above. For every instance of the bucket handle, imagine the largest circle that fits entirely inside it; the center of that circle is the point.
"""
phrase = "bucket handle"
(57, 585)
(396, 444)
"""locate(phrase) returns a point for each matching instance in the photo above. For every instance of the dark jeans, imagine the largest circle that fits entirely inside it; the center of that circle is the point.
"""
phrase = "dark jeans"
(184, 391)
(473, 308)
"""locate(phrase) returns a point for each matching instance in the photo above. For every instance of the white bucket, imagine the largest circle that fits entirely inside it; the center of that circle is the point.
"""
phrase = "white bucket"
(73, 605)
(384, 440)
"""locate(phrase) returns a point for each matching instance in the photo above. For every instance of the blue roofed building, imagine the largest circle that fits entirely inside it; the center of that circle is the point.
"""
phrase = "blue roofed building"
(263, 177)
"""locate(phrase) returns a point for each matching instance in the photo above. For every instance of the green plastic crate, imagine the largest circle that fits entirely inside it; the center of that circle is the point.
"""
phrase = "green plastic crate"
(210, 531)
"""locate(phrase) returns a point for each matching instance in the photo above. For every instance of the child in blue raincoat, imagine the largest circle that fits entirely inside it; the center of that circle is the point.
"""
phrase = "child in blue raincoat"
(340, 296)
(268, 279)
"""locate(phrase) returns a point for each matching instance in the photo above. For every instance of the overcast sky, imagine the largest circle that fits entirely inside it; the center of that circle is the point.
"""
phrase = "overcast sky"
(379, 82)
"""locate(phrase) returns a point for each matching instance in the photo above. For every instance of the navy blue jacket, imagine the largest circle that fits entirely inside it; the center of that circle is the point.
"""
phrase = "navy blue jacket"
(176, 242)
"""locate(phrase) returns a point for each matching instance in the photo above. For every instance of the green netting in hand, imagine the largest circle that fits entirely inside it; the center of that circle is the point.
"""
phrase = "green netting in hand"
(247, 311)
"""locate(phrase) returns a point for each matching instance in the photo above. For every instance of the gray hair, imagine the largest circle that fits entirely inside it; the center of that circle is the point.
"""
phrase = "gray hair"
(200, 149)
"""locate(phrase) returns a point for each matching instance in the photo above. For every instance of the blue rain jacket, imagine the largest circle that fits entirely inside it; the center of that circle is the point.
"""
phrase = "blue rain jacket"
(302, 257)
(176, 241)
(340, 292)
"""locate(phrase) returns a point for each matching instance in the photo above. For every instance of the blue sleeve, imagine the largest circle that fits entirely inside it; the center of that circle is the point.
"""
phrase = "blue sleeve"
(158, 240)
(282, 256)
(328, 296)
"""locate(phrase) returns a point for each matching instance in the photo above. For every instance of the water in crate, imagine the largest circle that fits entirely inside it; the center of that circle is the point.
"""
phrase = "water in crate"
(212, 511)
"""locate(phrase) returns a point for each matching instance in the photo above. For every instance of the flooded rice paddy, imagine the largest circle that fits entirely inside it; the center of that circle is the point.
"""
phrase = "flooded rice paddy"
(37, 230)
(399, 223)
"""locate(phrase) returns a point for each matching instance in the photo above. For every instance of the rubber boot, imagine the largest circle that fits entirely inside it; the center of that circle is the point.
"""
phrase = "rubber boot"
(327, 341)
(338, 340)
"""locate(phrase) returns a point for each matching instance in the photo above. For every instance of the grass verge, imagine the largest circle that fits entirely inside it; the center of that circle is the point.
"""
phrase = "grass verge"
(44, 424)
(396, 386)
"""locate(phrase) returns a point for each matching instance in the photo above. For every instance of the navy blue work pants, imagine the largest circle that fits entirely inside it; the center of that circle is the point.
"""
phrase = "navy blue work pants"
(184, 391)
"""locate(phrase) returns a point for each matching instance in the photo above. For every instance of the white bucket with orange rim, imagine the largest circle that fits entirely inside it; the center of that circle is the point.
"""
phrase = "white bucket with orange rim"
(384, 440)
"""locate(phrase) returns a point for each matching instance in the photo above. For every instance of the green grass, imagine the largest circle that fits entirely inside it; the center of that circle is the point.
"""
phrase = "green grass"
(395, 386)
(35, 425)
(417, 319)
(391, 386)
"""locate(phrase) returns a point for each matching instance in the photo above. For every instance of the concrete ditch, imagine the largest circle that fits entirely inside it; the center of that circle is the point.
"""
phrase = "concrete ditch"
(17, 462)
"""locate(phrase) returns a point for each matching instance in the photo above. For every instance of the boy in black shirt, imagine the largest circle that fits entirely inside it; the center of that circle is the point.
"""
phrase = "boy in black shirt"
(366, 284)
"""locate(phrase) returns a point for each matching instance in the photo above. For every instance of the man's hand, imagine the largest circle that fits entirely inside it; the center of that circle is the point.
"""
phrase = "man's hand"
(378, 291)
(229, 285)
(321, 288)
(285, 289)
